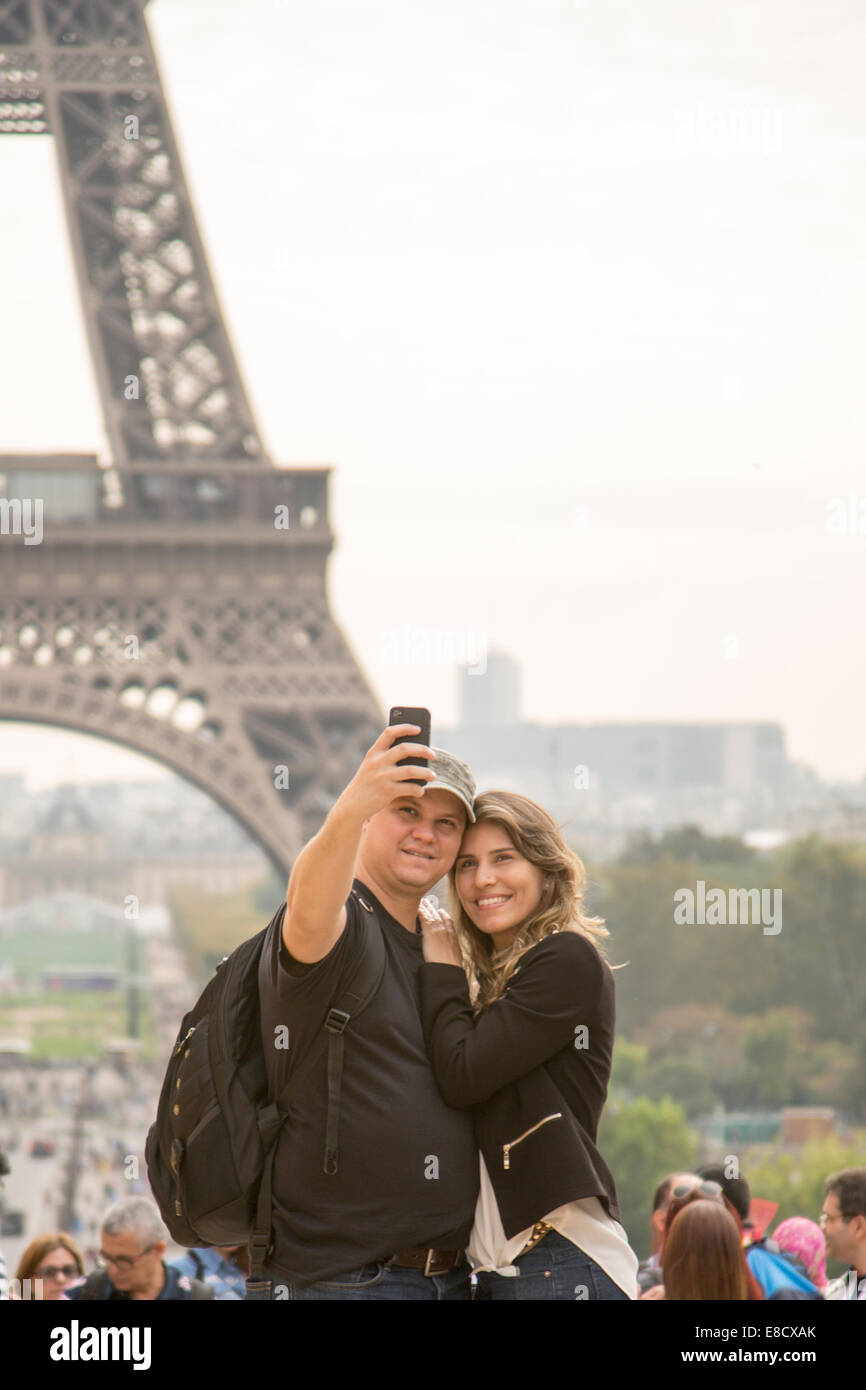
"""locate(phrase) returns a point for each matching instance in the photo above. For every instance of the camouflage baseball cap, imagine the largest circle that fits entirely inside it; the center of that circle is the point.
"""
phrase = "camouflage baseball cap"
(453, 776)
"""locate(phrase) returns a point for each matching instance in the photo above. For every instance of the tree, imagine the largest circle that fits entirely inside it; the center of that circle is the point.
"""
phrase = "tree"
(682, 1080)
(772, 1048)
(642, 1141)
(629, 1061)
(685, 842)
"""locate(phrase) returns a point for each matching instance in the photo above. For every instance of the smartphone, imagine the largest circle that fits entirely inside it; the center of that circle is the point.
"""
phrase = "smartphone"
(405, 715)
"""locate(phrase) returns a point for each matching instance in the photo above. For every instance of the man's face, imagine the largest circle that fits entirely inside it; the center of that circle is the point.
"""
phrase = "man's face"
(137, 1268)
(840, 1235)
(413, 841)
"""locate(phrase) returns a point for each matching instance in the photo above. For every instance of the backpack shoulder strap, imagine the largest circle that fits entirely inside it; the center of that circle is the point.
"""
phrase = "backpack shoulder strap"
(359, 981)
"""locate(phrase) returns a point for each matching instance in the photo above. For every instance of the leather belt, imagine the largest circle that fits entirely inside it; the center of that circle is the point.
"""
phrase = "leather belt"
(426, 1259)
(539, 1231)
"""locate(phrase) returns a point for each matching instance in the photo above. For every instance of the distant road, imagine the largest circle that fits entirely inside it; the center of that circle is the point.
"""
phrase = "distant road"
(112, 1153)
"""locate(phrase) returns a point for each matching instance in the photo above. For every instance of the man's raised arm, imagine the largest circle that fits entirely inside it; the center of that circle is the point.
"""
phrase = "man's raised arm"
(321, 878)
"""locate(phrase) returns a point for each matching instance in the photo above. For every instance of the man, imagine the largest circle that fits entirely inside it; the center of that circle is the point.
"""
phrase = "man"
(843, 1221)
(132, 1247)
(224, 1268)
(393, 1221)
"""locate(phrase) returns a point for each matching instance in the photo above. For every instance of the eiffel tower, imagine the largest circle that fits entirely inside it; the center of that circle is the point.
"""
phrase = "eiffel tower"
(172, 597)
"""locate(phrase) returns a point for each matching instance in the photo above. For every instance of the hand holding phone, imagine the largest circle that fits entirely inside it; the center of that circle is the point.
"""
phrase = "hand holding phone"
(401, 714)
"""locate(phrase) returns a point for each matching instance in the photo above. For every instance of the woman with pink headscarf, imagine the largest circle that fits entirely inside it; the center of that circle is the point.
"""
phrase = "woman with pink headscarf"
(804, 1238)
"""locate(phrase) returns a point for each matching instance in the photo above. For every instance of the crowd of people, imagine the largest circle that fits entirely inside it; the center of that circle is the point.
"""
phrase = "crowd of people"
(705, 1247)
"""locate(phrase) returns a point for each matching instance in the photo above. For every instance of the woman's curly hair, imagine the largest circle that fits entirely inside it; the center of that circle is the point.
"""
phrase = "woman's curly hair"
(535, 834)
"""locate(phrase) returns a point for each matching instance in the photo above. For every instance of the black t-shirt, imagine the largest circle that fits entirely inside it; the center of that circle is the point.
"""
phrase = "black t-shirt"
(408, 1172)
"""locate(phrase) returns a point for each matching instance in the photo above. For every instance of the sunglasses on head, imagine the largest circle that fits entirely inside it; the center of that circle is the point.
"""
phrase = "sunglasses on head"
(707, 1188)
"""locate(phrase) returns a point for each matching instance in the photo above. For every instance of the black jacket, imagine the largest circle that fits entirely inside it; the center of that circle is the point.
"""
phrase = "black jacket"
(176, 1286)
(534, 1066)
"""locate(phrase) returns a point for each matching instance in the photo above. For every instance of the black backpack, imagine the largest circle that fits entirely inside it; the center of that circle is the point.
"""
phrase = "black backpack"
(211, 1148)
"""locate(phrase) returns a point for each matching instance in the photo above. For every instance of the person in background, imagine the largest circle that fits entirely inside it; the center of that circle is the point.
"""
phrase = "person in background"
(131, 1260)
(684, 1192)
(708, 1190)
(843, 1221)
(736, 1190)
(52, 1263)
(803, 1240)
(223, 1267)
(780, 1275)
(649, 1273)
(703, 1255)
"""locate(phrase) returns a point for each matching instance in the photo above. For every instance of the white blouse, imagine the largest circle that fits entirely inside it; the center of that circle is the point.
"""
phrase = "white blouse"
(584, 1222)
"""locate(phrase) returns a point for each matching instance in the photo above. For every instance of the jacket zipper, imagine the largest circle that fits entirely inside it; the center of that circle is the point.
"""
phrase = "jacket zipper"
(506, 1148)
(182, 1042)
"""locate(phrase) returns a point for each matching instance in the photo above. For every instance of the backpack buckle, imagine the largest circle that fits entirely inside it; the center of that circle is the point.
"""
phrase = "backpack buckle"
(337, 1020)
(260, 1248)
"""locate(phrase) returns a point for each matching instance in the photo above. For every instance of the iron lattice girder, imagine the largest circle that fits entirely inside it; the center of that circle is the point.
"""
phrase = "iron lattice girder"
(205, 641)
(89, 45)
(169, 383)
(73, 24)
(226, 768)
(239, 670)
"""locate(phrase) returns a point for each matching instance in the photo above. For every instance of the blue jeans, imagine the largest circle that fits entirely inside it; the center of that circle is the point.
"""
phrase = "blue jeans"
(380, 1281)
(554, 1268)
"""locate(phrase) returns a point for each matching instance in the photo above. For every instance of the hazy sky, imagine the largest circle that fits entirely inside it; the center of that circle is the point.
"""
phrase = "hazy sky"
(572, 296)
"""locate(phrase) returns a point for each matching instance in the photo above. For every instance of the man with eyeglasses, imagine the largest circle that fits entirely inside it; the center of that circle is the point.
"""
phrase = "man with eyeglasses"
(843, 1221)
(132, 1267)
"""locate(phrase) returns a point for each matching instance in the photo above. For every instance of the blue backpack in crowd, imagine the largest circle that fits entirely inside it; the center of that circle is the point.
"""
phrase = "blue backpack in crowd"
(775, 1270)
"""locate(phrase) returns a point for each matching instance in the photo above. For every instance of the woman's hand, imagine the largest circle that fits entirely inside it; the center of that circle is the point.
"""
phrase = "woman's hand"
(439, 940)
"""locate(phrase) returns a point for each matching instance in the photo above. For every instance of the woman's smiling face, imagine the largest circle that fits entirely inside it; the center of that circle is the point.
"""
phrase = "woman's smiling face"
(497, 886)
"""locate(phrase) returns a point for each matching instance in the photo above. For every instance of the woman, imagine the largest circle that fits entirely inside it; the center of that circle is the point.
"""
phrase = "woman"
(527, 1041)
(804, 1239)
(703, 1255)
(53, 1259)
(682, 1196)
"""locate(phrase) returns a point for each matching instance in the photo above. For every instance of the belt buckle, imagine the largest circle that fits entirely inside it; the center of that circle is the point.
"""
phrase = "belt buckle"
(429, 1261)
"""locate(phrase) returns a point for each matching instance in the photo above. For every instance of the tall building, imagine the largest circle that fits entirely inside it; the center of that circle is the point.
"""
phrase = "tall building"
(603, 781)
(490, 692)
